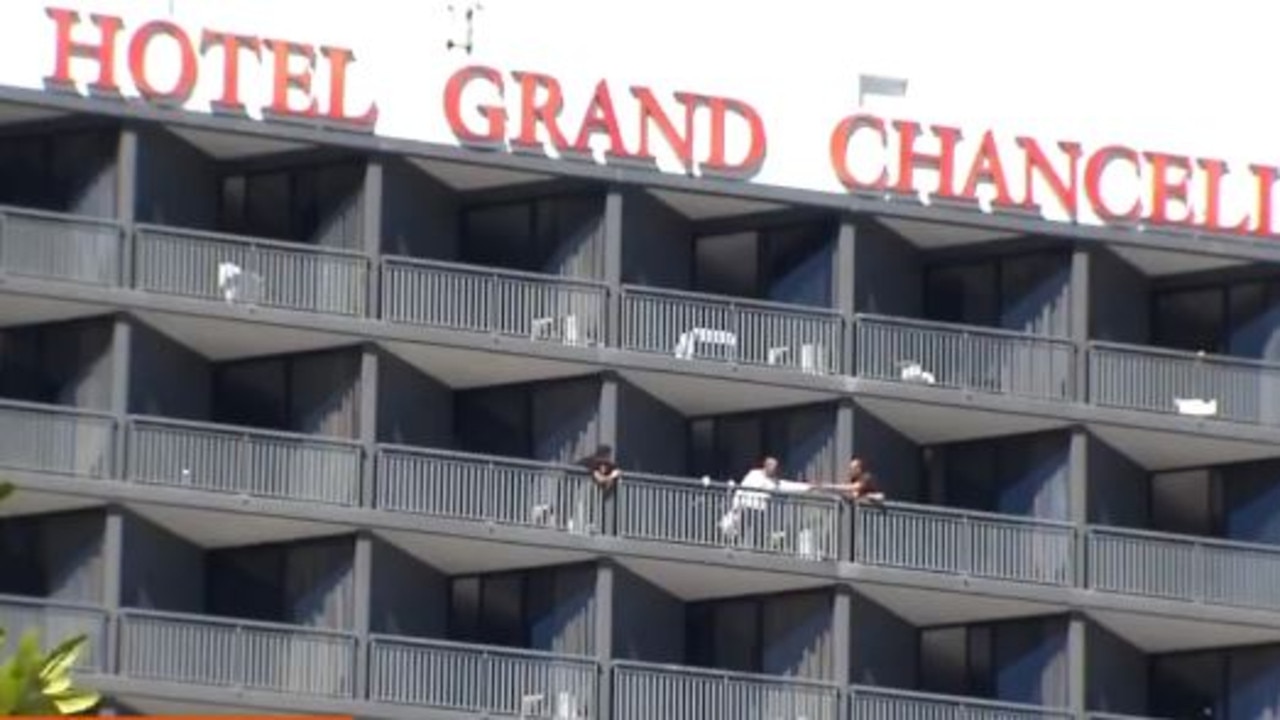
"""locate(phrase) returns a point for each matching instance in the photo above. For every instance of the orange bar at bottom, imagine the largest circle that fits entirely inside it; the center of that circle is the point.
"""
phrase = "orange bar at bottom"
(228, 716)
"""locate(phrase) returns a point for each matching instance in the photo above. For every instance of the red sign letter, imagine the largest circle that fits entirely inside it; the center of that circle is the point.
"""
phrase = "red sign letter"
(1266, 176)
(66, 49)
(284, 78)
(186, 82)
(600, 118)
(1215, 171)
(944, 162)
(231, 46)
(339, 59)
(1093, 172)
(1038, 164)
(532, 113)
(651, 111)
(988, 169)
(495, 116)
(840, 139)
(1165, 189)
(716, 165)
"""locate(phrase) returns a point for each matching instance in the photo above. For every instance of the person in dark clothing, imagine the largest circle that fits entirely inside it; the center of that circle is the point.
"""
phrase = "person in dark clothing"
(604, 471)
(861, 486)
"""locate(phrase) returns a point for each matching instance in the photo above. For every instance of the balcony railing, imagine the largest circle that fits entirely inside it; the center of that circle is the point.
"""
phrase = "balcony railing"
(547, 308)
(965, 357)
(1184, 567)
(49, 438)
(55, 246)
(251, 271)
(241, 654)
(678, 510)
(643, 691)
(243, 461)
(868, 703)
(54, 622)
(504, 491)
(694, 326)
(1181, 383)
(971, 544)
(487, 680)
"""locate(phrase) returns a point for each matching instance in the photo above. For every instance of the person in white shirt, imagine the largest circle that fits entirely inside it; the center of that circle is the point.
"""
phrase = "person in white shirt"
(754, 491)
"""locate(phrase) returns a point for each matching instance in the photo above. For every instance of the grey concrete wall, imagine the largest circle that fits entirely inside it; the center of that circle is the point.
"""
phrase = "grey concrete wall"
(56, 556)
(177, 184)
(652, 436)
(657, 243)
(162, 571)
(66, 363)
(420, 215)
(407, 596)
(167, 378)
(413, 407)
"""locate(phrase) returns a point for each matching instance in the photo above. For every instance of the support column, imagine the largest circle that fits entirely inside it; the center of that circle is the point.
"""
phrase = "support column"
(844, 290)
(1080, 319)
(1078, 499)
(608, 434)
(844, 450)
(613, 266)
(842, 637)
(368, 422)
(361, 604)
(112, 571)
(126, 199)
(371, 233)
(604, 635)
(1077, 664)
(121, 359)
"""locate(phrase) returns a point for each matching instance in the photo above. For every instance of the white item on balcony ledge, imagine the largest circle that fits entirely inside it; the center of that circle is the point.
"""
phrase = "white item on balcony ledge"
(810, 357)
(1196, 407)
(236, 285)
(563, 328)
(913, 372)
(687, 347)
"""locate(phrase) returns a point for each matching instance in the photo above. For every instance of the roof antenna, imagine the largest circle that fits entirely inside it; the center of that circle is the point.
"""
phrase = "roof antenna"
(468, 12)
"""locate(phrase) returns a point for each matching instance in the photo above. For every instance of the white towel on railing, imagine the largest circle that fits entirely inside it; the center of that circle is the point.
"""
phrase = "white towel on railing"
(687, 346)
(912, 371)
(1196, 407)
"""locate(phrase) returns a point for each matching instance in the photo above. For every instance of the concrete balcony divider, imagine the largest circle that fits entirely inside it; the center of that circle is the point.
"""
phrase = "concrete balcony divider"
(488, 680)
(716, 514)
(241, 654)
(244, 461)
(963, 357)
(546, 308)
(643, 691)
(503, 491)
(738, 331)
(54, 622)
(56, 246)
(56, 439)
(1184, 567)
(251, 271)
(971, 544)
(1183, 383)
(874, 703)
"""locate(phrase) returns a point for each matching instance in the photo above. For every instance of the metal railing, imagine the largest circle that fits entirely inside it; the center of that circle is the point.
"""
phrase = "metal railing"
(540, 307)
(244, 654)
(55, 439)
(489, 680)
(873, 703)
(642, 691)
(972, 544)
(244, 461)
(1168, 381)
(54, 622)
(251, 271)
(1184, 567)
(56, 246)
(695, 326)
(489, 489)
(965, 357)
(678, 510)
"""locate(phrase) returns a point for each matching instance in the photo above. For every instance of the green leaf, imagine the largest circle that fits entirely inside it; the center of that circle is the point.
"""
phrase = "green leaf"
(61, 659)
(73, 701)
(6, 489)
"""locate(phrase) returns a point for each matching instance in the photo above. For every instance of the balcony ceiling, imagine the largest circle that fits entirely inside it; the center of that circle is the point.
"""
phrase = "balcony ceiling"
(691, 581)
(218, 340)
(1154, 633)
(930, 235)
(233, 146)
(34, 502)
(14, 114)
(461, 369)
(1156, 450)
(701, 206)
(927, 608)
(931, 424)
(212, 529)
(464, 177)
(694, 396)
(460, 556)
(1158, 263)
(30, 310)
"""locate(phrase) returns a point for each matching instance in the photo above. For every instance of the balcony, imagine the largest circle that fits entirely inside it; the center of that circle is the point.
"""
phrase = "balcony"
(963, 357)
(1182, 383)
(967, 544)
(56, 439)
(1184, 567)
(713, 514)
(693, 326)
(244, 461)
(643, 691)
(240, 654)
(55, 622)
(54, 246)
(490, 681)
(250, 271)
(871, 703)
(503, 491)
(497, 302)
